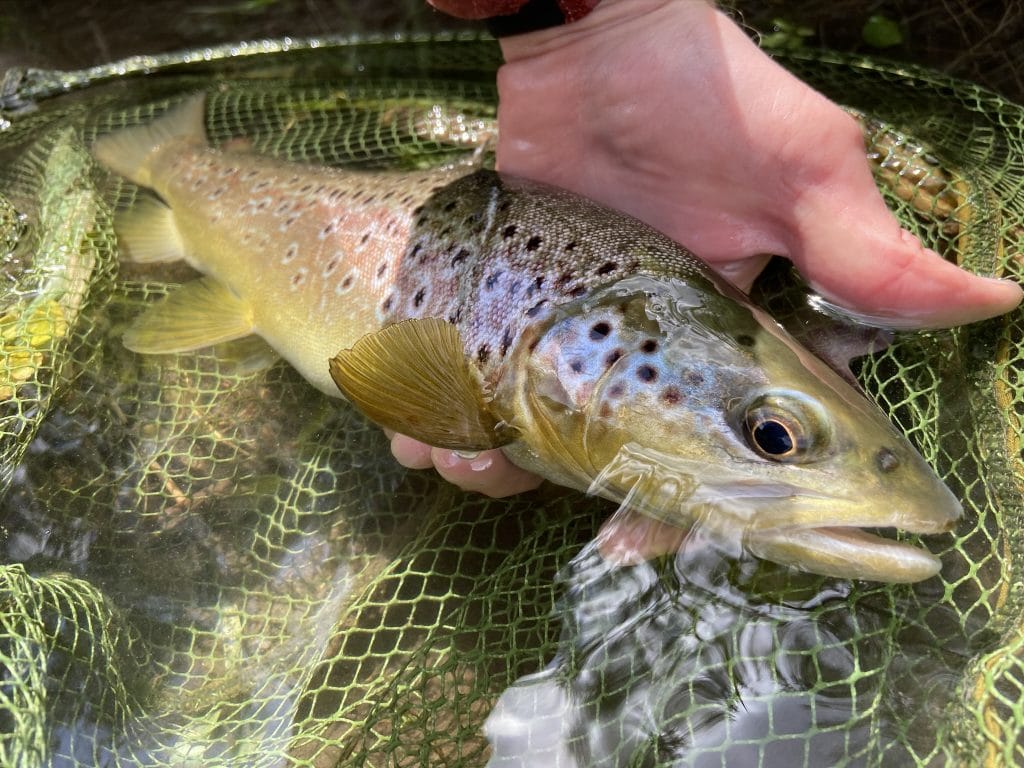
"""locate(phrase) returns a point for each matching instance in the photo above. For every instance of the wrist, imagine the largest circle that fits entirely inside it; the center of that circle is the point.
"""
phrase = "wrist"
(605, 16)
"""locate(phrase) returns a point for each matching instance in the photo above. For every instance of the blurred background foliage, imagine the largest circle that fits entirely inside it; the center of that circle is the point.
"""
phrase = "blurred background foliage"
(977, 41)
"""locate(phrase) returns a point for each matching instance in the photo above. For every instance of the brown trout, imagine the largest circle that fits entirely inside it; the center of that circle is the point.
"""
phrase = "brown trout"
(473, 310)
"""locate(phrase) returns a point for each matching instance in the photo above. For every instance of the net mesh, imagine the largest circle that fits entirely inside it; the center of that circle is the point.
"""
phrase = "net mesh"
(206, 562)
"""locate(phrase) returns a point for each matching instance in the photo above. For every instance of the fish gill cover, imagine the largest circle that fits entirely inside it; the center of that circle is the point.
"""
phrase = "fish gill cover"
(207, 562)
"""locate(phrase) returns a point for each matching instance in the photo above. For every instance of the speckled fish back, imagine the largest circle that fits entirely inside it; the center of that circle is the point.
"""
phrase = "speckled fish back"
(496, 254)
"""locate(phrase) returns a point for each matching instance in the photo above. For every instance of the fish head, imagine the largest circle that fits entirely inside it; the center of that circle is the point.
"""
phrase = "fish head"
(686, 403)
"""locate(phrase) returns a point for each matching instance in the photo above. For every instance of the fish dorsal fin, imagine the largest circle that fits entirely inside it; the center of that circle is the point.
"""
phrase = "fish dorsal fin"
(147, 234)
(193, 316)
(413, 377)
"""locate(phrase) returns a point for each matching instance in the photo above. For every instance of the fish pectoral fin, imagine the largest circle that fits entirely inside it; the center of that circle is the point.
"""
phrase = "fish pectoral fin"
(413, 377)
(147, 234)
(196, 315)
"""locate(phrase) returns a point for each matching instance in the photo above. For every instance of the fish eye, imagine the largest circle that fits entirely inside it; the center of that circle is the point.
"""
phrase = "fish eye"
(773, 438)
(785, 427)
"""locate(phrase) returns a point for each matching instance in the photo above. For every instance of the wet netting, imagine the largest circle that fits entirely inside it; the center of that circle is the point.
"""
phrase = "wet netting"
(206, 562)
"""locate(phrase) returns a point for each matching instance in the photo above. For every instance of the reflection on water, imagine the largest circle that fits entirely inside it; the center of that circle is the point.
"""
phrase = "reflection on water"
(679, 662)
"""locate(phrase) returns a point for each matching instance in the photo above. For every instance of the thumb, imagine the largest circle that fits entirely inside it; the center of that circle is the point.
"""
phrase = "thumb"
(859, 258)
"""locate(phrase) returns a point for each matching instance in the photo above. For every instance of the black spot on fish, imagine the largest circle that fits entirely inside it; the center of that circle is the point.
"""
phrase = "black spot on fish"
(535, 309)
(646, 373)
(451, 206)
(649, 346)
(332, 264)
(608, 266)
(386, 306)
(578, 291)
(576, 366)
(539, 282)
(364, 238)
(291, 220)
(694, 378)
(504, 205)
(509, 231)
(417, 210)
(613, 357)
(886, 460)
(745, 340)
(347, 282)
(571, 245)
(460, 257)
(492, 280)
(304, 188)
(672, 395)
(415, 250)
(382, 269)
(506, 341)
(533, 243)
(616, 390)
(565, 278)
(599, 331)
(482, 353)
(369, 199)
(418, 298)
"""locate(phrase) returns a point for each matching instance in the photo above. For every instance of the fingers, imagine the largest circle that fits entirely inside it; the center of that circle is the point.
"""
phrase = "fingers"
(629, 538)
(410, 453)
(487, 472)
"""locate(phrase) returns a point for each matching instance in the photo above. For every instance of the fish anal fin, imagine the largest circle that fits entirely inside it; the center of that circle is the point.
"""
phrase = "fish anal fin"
(147, 234)
(196, 315)
(413, 377)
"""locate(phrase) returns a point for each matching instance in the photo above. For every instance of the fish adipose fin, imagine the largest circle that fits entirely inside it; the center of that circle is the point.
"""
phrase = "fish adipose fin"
(413, 377)
(127, 151)
(147, 234)
(196, 315)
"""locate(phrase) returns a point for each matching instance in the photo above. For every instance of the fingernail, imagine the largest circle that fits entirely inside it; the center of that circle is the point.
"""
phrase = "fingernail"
(467, 455)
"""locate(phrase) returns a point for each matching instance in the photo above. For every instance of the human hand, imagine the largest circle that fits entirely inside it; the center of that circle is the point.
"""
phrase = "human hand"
(666, 110)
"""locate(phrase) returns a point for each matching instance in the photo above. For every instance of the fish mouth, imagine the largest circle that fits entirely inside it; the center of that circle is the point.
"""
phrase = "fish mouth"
(847, 552)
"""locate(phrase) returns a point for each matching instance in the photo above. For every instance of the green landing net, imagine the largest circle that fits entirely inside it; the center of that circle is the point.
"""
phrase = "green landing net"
(208, 563)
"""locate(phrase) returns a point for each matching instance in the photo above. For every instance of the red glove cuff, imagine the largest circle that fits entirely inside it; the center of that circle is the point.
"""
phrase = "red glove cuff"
(515, 17)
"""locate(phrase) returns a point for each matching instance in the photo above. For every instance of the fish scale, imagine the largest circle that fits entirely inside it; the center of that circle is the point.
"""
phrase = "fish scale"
(497, 259)
(473, 310)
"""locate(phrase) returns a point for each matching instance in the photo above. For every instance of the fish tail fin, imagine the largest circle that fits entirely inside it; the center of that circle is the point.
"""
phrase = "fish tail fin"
(127, 151)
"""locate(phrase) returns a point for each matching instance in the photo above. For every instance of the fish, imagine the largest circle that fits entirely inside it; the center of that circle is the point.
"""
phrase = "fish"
(473, 310)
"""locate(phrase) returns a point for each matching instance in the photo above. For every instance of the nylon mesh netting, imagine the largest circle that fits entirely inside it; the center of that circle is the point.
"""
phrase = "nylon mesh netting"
(208, 563)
